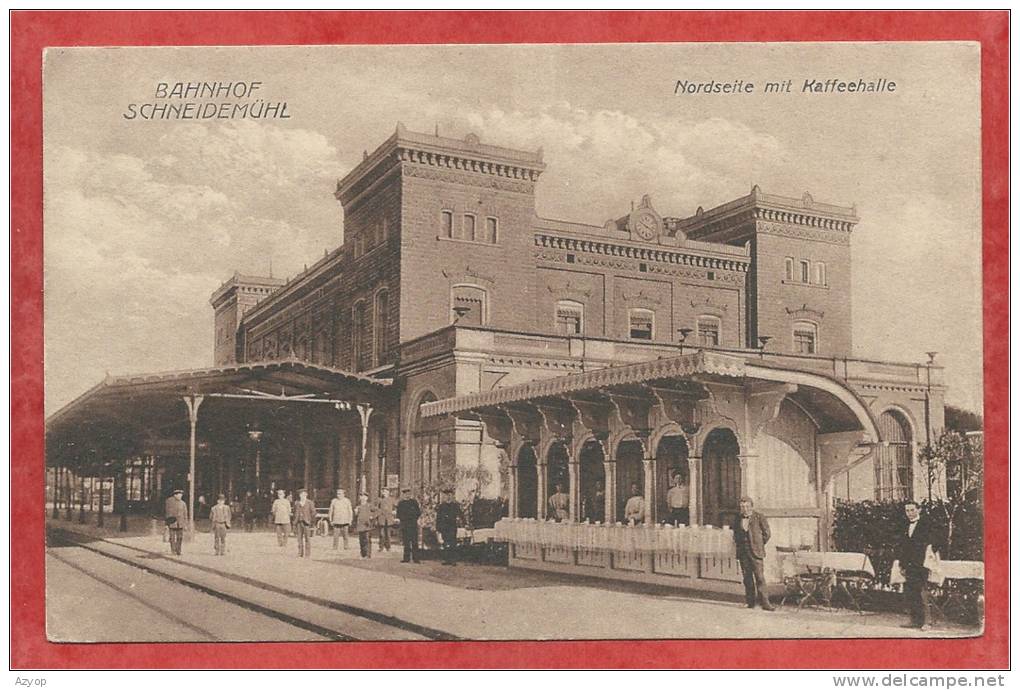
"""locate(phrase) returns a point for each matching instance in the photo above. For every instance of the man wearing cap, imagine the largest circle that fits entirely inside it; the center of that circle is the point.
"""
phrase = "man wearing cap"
(341, 514)
(448, 518)
(280, 515)
(220, 517)
(176, 519)
(408, 512)
(304, 523)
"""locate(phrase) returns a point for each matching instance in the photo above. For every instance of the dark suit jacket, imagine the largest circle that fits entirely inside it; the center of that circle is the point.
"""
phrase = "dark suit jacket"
(757, 536)
(304, 513)
(447, 516)
(911, 549)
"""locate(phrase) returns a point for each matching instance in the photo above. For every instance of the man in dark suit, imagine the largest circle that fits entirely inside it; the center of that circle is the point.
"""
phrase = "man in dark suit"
(448, 518)
(304, 523)
(408, 512)
(176, 520)
(915, 539)
(751, 534)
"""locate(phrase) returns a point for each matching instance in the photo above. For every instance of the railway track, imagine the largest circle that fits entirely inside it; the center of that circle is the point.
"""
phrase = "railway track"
(330, 620)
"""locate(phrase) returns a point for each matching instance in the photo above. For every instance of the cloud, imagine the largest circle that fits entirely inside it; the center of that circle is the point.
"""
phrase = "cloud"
(135, 244)
(600, 160)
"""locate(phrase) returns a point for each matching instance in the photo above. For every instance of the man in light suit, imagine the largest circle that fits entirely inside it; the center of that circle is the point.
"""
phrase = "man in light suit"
(341, 514)
(219, 515)
(751, 533)
(280, 515)
(559, 505)
(634, 510)
(916, 537)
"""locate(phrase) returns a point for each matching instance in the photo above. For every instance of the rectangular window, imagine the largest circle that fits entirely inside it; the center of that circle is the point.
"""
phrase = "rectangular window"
(446, 223)
(820, 276)
(789, 268)
(708, 333)
(490, 230)
(805, 272)
(471, 308)
(641, 324)
(568, 319)
(804, 342)
(469, 228)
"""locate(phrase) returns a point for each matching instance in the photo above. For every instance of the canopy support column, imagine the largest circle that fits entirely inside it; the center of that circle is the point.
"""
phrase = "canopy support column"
(365, 414)
(81, 505)
(193, 402)
(69, 497)
(694, 488)
(56, 492)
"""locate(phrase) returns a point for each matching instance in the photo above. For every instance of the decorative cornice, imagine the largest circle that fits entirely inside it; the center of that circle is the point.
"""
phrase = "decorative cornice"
(474, 180)
(467, 155)
(559, 257)
(638, 253)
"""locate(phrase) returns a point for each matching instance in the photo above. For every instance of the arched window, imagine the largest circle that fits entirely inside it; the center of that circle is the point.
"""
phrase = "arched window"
(805, 272)
(468, 306)
(359, 353)
(805, 338)
(569, 317)
(446, 224)
(709, 331)
(491, 230)
(382, 318)
(430, 448)
(789, 268)
(469, 227)
(894, 471)
(641, 324)
(820, 277)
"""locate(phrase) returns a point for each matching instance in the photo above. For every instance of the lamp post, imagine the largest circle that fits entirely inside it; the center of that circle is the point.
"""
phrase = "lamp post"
(460, 312)
(684, 332)
(256, 437)
(763, 340)
(928, 452)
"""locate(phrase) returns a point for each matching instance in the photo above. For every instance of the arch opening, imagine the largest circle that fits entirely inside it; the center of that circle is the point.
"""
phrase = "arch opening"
(671, 470)
(720, 482)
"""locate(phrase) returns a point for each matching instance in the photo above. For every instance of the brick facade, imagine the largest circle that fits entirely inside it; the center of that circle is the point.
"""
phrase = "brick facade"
(441, 230)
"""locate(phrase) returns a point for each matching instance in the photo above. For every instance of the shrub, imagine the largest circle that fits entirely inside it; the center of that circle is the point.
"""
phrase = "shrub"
(876, 527)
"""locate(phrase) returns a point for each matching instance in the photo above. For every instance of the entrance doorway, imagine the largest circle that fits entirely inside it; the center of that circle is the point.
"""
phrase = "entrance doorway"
(527, 483)
(720, 478)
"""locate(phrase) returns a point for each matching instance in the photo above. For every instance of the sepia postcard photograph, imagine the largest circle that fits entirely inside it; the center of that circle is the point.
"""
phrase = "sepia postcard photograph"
(519, 342)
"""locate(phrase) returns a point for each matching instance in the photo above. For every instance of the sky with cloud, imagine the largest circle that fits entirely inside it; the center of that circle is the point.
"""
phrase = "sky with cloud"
(144, 219)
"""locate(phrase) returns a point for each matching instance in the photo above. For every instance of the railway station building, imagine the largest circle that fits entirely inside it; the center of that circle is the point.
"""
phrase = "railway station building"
(457, 337)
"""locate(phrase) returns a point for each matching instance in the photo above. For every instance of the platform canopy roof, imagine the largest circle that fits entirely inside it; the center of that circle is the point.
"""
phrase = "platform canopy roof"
(126, 405)
(829, 402)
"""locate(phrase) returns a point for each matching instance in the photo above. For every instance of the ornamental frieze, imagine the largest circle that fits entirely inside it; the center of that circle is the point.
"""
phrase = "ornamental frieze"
(474, 180)
(803, 233)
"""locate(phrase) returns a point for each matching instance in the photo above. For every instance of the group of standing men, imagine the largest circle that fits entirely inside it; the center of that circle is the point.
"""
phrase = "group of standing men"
(301, 517)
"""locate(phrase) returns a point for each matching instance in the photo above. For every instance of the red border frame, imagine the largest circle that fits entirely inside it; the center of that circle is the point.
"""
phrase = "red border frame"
(32, 31)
